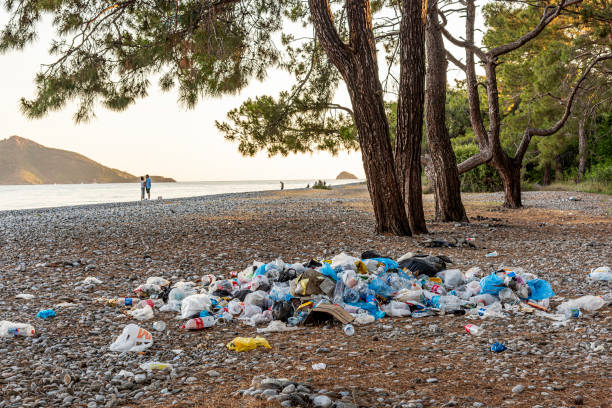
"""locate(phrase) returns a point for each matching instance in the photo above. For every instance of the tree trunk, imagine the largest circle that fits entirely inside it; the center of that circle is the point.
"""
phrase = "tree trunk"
(547, 171)
(359, 68)
(558, 169)
(510, 174)
(445, 181)
(582, 145)
(409, 132)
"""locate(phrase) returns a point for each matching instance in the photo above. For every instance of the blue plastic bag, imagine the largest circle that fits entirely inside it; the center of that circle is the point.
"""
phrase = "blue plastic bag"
(540, 289)
(370, 307)
(381, 288)
(389, 263)
(261, 270)
(328, 271)
(491, 284)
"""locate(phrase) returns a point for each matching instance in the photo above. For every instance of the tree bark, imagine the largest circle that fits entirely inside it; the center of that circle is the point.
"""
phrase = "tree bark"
(510, 174)
(445, 180)
(358, 66)
(582, 145)
(409, 132)
(547, 171)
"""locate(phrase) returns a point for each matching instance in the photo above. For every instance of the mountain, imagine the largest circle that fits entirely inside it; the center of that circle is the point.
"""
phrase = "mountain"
(23, 161)
(345, 175)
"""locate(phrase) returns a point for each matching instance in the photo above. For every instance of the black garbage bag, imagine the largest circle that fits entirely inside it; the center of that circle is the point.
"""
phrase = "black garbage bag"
(241, 294)
(221, 293)
(425, 264)
(164, 293)
(282, 310)
(313, 263)
(370, 254)
(287, 275)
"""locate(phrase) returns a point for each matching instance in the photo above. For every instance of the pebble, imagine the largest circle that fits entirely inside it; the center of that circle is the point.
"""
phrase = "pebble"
(517, 389)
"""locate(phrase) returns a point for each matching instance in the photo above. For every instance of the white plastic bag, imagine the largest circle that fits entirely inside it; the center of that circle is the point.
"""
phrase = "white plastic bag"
(452, 278)
(143, 313)
(363, 318)
(603, 273)
(133, 338)
(276, 326)
(397, 309)
(91, 280)
(235, 307)
(156, 280)
(258, 298)
(408, 295)
(344, 261)
(350, 279)
(194, 304)
(250, 310)
(588, 303)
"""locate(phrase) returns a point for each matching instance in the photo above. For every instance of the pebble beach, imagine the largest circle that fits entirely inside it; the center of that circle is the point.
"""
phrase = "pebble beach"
(394, 362)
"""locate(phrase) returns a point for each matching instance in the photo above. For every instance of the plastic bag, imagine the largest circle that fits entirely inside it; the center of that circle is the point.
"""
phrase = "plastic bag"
(194, 304)
(280, 292)
(363, 318)
(588, 303)
(91, 280)
(344, 262)
(491, 284)
(603, 273)
(381, 288)
(506, 295)
(397, 309)
(175, 298)
(250, 310)
(133, 338)
(409, 295)
(235, 307)
(241, 344)
(350, 279)
(389, 263)
(261, 318)
(144, 313)
(259, 282)
(452, 278)
(485, 299)
(328, 271)
(156, 280)
(540, 289)
(276, 326)
(282, 311)
(473, 273)
(258, 298)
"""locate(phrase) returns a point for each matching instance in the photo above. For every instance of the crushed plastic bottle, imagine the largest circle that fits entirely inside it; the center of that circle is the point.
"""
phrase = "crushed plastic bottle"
(491, 254)
(473, 329)
(11, 329)
(199, 323)
(348, 329)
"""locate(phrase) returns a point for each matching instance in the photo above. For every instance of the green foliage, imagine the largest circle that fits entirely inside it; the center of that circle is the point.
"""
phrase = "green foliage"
(482, 178)
(107, 53)
(321, 185)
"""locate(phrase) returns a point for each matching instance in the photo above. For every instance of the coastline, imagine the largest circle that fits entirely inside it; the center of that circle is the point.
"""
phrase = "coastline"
(246, 194)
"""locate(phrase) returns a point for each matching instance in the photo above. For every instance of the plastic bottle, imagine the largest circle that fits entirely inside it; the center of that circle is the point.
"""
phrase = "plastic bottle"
(473, 329)
(159, 326)
(10, 329)
(199, 323)
(293, 321)
(349, 330)
(45, 314)
(572, 313)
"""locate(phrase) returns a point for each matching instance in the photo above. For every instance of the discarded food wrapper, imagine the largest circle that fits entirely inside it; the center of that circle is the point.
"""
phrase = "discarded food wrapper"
(133, 338)
(603, 273)
(325, 312)
(492, 254)
(155, 365)
(241, 344)
(319, 366)
(498, 347)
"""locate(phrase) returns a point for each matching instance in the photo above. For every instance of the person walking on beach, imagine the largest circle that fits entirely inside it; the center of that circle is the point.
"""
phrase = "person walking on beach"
(282, 185)
(142, 188)
(148, 186)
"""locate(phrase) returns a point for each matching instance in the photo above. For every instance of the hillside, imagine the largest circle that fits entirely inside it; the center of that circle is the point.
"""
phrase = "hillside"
(23, 161)
(345, 175)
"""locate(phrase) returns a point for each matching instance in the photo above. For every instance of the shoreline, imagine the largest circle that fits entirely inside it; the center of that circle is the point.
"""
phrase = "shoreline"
(109, 205)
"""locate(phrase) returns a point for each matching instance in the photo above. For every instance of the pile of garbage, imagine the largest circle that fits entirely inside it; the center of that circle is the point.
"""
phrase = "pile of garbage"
(346, 289)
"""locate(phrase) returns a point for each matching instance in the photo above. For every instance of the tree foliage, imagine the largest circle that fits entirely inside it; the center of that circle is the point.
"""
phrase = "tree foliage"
(108, 53)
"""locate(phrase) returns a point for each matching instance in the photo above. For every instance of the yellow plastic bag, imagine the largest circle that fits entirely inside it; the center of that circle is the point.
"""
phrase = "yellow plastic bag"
(435, 279)
(241, 344)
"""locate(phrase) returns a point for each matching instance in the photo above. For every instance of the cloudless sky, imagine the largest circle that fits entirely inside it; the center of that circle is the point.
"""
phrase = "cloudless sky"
(155, 135)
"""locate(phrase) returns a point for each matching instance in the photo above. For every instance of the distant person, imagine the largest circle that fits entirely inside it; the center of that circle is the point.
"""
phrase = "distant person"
(282, 185)
(148, 186)
(142, 188)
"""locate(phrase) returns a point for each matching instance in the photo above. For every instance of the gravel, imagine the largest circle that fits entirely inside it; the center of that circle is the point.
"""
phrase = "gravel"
(48, 253)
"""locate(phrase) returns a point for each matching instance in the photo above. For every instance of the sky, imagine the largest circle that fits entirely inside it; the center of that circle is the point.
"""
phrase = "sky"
(156, 135)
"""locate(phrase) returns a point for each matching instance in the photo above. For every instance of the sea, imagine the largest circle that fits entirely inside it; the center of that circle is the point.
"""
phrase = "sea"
(58, 195)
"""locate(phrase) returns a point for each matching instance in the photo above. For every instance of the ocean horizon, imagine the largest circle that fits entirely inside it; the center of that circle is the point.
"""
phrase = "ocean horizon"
(22, 197)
